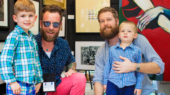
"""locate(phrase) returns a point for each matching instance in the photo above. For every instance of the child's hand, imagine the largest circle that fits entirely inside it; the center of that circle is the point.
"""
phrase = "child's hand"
(37, 87)
(138, 91)
(16, 88)
(104, 87)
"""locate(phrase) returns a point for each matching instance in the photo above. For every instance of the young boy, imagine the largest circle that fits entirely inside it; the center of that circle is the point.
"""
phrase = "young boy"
(125, 83)
(19, 63)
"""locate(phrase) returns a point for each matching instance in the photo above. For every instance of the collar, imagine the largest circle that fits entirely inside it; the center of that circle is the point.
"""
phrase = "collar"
(40, 42)
(20, 30)
(130, 46)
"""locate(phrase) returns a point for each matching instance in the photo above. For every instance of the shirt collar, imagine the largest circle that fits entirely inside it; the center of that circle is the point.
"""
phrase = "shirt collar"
(130, 46)
(40, 43)
(22, 31)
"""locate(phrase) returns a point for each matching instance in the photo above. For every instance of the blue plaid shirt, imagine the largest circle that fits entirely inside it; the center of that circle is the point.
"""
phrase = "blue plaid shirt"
(20, 56)
(133, 53)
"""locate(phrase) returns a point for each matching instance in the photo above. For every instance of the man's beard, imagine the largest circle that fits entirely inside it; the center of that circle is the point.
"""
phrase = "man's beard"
(49, 38)
(109, 34)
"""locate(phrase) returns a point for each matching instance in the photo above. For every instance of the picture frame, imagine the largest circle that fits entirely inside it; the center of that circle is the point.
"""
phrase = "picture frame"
(85, 52)
(4, 14)
(62, 28)
(35, 29)
(61, 3)
(86, 12)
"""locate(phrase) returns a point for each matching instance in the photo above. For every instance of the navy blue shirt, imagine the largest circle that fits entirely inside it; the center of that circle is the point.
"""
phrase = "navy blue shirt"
(60, 57)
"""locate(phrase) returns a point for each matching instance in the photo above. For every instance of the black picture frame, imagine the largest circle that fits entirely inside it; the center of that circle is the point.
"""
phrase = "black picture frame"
(4, 14)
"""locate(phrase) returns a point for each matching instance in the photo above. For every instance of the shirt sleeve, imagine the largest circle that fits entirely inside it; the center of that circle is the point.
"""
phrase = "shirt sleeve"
(39, 75)
(99, 66)
(107, 68)
(140, 76)
(6, 59)
(148, 52)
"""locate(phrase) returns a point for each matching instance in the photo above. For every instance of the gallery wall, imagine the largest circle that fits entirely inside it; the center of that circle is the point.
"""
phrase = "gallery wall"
(70, 28)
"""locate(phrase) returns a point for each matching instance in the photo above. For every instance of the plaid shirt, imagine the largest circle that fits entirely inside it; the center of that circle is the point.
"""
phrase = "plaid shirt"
(133, 53)
(20, 56)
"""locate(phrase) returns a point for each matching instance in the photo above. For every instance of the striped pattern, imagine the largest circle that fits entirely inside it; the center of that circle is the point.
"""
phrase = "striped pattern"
(133, 53)
(20, 53)
(26, 89)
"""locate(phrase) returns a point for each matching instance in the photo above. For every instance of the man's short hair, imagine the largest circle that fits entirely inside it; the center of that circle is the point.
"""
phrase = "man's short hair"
(108, 9)
(24, 5)
(132, 23)
(51, 9)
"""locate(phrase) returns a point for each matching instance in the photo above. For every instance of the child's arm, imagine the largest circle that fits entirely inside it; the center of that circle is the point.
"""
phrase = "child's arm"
(39, 69)
(7, 57)
(139, 76)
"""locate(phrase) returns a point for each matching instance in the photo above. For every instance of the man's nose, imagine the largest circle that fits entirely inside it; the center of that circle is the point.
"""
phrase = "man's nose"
(51, 26)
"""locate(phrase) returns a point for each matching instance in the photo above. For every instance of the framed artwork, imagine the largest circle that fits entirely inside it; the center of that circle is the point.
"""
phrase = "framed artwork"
(85, 52)
(61, 3)
(1, 45)
(35, 28)
(4, 14)
(62, 28)
(86, 15)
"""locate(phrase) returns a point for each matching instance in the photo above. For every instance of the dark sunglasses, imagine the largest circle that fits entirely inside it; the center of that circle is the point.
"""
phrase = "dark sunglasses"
(47, 24)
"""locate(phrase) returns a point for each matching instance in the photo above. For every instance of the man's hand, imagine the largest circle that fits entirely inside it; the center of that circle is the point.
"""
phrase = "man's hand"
(137, 91)
(37, 87)
(16, 88)
(124, 67)
(104, 87)
(69, 73)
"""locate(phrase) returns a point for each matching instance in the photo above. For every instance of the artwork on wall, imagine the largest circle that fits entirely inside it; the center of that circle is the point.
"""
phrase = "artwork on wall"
(35, 28)
(152, 18)
(4, 14)
(86, 15)
(61, 3)
(85, 52)
(62, 28)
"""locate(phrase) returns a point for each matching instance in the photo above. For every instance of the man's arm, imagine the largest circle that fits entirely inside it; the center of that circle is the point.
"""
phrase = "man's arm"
(153, 64)
(71, 69)
(98, 88)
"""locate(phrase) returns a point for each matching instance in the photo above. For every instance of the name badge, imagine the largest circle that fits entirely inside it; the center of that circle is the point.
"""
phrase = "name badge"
(48, 86)
(49, 82)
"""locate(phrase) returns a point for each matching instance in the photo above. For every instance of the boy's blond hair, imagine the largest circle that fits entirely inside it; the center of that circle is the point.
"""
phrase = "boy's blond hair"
(24, 5)
(132, 23)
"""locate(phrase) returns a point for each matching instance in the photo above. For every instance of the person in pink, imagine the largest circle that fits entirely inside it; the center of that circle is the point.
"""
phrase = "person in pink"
(55, 54)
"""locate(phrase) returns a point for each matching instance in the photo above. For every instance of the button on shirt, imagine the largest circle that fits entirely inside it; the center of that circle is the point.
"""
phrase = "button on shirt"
(20, 53)
(60, 57)
(149, 55)
(133, 53)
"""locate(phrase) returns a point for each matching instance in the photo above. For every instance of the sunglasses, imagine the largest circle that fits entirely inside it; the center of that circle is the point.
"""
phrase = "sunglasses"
(47, 24)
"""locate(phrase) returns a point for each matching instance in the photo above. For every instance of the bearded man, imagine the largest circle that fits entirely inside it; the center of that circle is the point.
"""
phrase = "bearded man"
(55, 54)
(109, 22)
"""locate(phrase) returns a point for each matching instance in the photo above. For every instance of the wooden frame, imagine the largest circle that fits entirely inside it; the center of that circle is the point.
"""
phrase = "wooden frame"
(85, 52)
(61, 3)
(4, 14)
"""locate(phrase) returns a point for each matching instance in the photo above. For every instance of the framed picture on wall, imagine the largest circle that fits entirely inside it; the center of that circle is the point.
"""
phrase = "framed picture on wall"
(35, 28)
(85, 52)
(62, 28)
(61, 3)
(4, 14)
(86, 15)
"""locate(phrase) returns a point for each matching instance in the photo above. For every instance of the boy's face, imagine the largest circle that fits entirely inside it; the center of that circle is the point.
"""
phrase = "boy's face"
(127, 33)
(25, 19)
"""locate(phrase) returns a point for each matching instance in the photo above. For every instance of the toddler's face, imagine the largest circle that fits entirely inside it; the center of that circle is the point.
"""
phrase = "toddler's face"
(127, 32)
(25, 19)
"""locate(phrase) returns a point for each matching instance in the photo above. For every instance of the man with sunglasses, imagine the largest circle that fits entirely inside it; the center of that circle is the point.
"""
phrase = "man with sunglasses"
(55, 54)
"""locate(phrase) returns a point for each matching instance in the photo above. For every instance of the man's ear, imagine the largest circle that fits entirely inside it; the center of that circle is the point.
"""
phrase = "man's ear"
(117, 20)
(40, 23)
(135, 36)
(14, 18)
